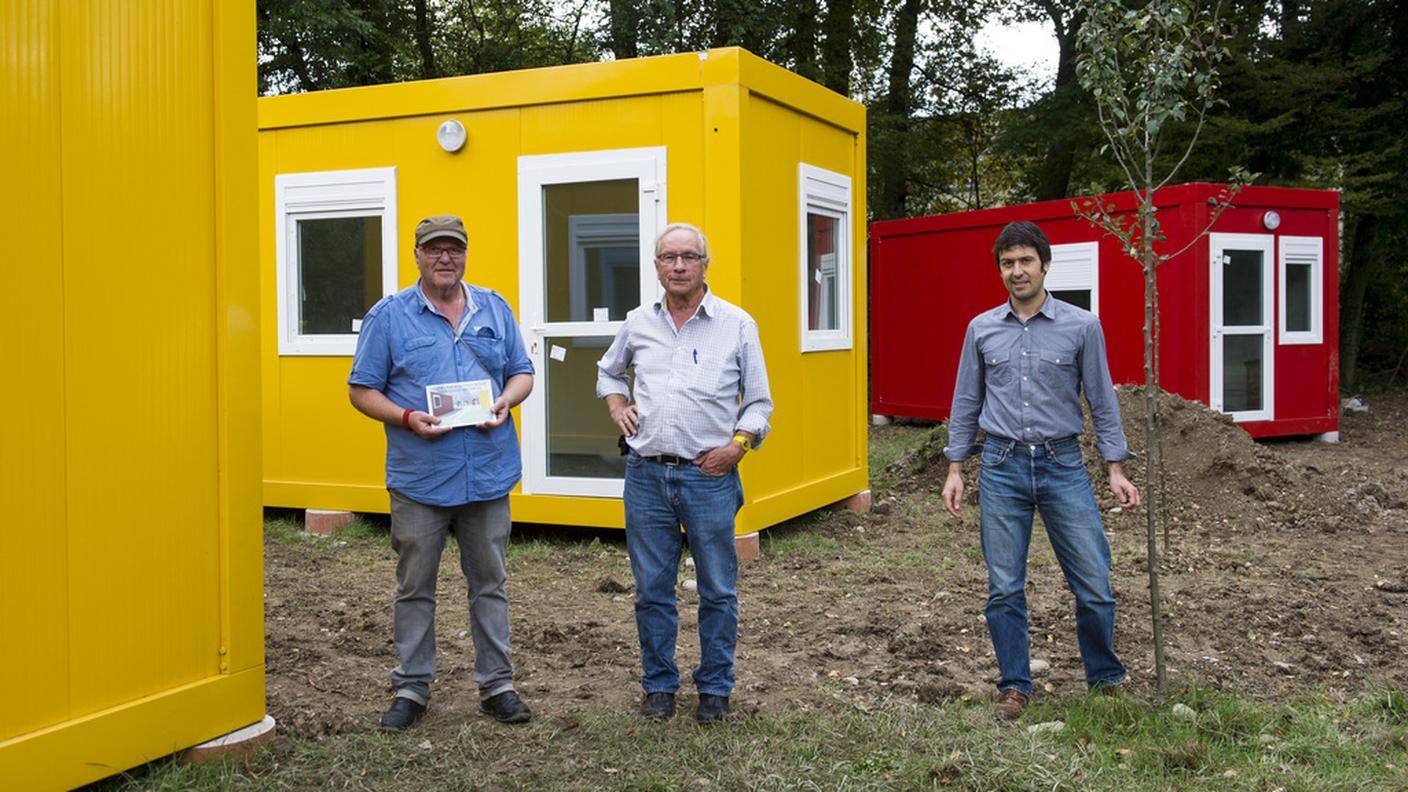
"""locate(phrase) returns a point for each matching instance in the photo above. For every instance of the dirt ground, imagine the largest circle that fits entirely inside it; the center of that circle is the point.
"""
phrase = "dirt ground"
(1286, 573)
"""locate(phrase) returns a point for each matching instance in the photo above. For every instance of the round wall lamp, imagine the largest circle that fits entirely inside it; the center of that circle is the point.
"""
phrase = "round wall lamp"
(451, 136)
(1271, 220)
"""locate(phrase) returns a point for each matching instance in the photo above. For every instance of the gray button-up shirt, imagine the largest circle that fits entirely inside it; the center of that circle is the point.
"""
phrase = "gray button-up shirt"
(694, 387)
(1023, 381)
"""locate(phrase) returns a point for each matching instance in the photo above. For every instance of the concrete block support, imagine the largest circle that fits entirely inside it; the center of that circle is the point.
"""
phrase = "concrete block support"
(324, 522)
(238, 744)
(747, 547)
(859, 502)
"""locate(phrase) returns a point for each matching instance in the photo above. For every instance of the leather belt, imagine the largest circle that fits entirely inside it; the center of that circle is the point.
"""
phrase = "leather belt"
(668, 459)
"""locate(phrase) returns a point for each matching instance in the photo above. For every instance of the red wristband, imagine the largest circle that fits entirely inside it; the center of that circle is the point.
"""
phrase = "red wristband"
(406, 419)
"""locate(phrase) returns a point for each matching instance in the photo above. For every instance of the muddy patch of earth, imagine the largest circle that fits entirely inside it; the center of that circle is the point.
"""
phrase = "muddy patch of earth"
(1285, 572)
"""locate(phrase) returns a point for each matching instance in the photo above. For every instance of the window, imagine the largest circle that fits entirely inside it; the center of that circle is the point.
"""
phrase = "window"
(825, 244)
(1301, 297)
(336, 251)
(1075, 274)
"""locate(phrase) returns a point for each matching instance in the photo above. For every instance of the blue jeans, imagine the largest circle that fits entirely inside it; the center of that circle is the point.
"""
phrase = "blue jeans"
(659, 499)
(1016, 478)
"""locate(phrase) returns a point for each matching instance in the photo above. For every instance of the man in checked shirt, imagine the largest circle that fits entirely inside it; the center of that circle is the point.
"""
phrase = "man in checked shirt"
(701, 402)
(1023, 368)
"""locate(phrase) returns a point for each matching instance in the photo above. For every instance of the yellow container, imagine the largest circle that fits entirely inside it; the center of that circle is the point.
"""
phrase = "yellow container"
(131, 613)
(564, 177)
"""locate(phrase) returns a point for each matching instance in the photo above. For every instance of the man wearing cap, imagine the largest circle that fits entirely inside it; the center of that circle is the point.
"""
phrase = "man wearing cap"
(442, 480)
(701, 402)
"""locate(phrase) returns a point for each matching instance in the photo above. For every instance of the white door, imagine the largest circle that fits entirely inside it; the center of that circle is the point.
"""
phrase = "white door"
(586, 223)
(1242, 324)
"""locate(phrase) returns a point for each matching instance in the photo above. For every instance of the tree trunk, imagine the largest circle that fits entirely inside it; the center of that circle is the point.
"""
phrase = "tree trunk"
(1152, 462)
(422, 33)
(625, 29)
(894, 166)
(1360, 254)
(836, 46)
(1053, 180)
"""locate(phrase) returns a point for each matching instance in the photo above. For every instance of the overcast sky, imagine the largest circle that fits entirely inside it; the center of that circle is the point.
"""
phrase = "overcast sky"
(1030, 44)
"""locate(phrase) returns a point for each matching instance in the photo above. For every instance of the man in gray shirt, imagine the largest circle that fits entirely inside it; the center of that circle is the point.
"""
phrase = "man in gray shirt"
(701, 402)
(1023, 368)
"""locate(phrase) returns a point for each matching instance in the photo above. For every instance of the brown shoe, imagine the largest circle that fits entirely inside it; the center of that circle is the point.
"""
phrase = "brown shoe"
(1009, 704)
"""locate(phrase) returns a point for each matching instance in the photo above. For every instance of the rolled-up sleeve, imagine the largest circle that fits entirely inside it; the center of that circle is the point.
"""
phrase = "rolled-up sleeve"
(755, 398)
(967, 401)
(1100, 396)
(371, 362)
(611, 369)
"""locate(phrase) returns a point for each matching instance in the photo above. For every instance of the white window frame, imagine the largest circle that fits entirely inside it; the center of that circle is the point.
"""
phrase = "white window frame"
(828, 193)
(1265, 243)
(320, 195)
(589, 231)
(1075, 266)
(1301, 250)
(648, 167)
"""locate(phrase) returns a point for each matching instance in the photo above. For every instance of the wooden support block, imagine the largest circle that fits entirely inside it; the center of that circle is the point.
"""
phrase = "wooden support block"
(747, 547)
(238, 744)
(859, 502)
(324, 522)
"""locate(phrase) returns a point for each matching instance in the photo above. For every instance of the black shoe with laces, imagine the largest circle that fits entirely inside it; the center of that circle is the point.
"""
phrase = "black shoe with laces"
(506, 708)
(711, 708)
(658, 705)
(402, 715)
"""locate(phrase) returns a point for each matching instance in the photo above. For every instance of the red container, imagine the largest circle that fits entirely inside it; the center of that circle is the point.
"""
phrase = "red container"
(1249, 311)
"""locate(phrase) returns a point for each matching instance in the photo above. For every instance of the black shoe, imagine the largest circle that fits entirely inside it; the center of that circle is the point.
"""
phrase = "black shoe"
(658, 705)
(403, 715)
(506, 708)
(711, 708)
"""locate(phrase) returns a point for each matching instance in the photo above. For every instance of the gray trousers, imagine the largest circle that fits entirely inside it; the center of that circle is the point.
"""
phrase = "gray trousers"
(418, 534)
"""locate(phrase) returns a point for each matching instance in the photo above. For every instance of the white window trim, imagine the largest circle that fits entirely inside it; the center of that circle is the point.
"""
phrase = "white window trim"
(1075, 267)
(327, 194)
(1302, 248)
(1217, 243)
(827, 193)
(648, 167)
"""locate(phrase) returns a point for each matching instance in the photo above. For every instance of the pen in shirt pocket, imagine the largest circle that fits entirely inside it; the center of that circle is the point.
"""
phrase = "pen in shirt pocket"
(696, 357)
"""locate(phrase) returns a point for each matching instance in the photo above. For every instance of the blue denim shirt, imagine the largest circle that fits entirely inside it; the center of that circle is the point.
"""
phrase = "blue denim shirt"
(1023, 381)
(404, 345)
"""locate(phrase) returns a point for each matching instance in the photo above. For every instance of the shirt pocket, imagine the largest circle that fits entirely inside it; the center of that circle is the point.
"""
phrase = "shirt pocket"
(705, 377)
(489, 351)
(1000, 367)
(420, 359)
(1058, 368)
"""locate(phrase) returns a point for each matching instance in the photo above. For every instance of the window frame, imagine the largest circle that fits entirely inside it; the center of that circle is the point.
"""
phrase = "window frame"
(1314, 247)
(1083, 278)
(362, 192)
(827, 193)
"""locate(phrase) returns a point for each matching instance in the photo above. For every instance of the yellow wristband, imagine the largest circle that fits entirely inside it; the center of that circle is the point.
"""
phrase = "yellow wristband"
(743, 441)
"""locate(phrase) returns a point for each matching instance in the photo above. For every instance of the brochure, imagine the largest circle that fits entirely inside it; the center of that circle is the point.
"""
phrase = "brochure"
(460, 403)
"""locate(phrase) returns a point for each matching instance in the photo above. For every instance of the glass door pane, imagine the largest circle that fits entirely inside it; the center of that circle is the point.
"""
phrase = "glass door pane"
(582, 439)
(1242, 286)
(591, 244)
(1242, 364)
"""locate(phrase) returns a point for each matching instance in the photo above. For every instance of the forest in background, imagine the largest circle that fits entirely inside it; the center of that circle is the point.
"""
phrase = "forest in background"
(1312, 95)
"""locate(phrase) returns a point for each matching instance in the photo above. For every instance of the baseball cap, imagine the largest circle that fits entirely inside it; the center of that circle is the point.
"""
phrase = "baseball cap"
(437, 226)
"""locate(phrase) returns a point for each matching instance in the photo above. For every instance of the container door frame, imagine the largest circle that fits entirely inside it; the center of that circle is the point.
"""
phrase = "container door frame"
(1217, 331)
(648, 167)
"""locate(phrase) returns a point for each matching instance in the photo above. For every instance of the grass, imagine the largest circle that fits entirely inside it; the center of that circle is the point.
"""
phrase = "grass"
(1107, 743)
(890, 442)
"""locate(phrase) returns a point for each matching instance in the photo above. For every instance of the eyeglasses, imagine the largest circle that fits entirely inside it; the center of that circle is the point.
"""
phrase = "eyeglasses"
(434, 253)
(671, 258)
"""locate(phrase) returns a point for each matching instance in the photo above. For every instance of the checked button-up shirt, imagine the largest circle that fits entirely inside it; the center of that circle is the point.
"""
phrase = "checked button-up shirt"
(695, 387)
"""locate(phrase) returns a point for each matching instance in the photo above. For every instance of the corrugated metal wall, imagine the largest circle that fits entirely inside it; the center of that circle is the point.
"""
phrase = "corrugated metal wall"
(116, 551)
